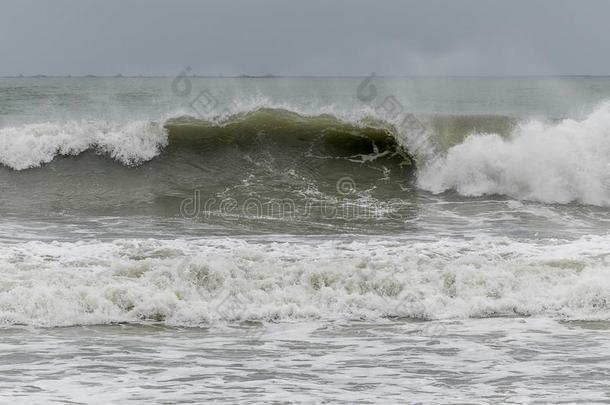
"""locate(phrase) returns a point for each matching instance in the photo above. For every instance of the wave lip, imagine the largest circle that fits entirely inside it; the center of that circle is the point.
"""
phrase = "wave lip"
(283, 127)
(557, 163)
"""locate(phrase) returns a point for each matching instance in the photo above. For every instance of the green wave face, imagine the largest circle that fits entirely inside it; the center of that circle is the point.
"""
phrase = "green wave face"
(321, 136)
(308, 165)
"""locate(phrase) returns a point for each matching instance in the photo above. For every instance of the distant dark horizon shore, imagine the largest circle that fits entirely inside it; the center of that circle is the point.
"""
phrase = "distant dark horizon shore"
(274, 76)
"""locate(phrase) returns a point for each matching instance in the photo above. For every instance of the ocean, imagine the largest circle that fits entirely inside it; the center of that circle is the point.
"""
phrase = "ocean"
(304, 240)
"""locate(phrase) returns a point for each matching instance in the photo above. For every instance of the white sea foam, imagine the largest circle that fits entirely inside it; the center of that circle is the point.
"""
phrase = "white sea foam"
(560, 163)
(32, 145)
(191, 282)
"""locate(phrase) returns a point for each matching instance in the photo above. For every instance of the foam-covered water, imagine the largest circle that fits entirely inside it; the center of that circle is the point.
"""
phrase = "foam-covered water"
(432, 236)
(493, 360)
(553, 163)
(33, 145)
(194, 282)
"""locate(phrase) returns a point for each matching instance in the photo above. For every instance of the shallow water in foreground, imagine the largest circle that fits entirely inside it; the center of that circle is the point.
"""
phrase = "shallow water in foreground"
(495, 360)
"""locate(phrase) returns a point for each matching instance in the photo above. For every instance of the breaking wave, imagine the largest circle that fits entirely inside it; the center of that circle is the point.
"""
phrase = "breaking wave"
(553, 162)
(134, 143)
(33, 145)
(562, 162)
(207, 281)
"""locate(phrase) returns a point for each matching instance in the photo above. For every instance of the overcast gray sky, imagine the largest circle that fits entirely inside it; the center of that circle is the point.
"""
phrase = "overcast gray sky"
(307, 37)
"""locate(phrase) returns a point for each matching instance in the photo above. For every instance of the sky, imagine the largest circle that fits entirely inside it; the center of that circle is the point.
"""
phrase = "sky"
(313, 37)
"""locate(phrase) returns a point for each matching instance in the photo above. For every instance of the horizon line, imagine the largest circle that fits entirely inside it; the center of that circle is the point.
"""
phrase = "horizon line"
(273, 76)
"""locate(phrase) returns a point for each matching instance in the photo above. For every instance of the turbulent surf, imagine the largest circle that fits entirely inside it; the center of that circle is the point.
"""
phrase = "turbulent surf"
(297, 204)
